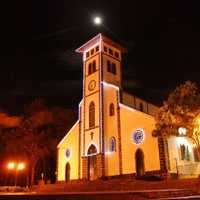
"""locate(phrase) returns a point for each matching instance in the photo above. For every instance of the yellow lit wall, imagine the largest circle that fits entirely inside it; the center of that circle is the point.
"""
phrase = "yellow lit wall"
(95, 130)
(69, 141)
(111, 130)
(93, 76)
(130, 121)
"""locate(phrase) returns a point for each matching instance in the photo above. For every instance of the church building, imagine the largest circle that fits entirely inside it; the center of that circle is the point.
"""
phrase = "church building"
(113, 134)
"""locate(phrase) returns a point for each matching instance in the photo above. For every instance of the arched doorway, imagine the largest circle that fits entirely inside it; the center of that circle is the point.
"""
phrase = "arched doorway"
(67, 172)
(139, 162)
(92, 163)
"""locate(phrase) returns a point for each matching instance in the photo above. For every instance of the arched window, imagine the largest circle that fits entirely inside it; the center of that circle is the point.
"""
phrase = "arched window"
(111, 109)
(91, 115)
(90, 69)
(112, 144)
(92, 51)
(93, 66)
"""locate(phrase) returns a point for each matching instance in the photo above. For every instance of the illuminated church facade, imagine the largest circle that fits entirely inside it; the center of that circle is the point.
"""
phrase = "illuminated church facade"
(113, 134)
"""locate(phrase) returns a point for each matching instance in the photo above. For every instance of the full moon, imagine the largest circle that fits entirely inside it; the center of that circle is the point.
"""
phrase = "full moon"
(97, 20)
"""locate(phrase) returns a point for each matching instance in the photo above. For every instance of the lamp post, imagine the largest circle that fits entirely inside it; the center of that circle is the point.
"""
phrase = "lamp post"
(17, 167)
(20, 167)
(11, 167)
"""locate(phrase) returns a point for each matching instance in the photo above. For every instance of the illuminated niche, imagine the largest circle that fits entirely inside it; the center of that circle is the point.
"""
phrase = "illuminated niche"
(67, 153)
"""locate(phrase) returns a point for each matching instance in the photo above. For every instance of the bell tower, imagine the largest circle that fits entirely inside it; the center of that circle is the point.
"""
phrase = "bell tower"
(101, 65)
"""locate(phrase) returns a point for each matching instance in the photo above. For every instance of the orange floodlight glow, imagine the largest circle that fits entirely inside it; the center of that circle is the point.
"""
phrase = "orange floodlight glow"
(20, 166)
(11, 165)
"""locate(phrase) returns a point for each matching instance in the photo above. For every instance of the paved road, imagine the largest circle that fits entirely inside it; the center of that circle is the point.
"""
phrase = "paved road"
(86, 196)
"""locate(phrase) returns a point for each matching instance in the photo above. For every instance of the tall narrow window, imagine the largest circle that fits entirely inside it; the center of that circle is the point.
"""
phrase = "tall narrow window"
(97, 48)
(111, 109)
(182, 149)
(92, 51)
(89, 69)
(141, 107)
(93, 66)
(91, 115)
(113, 68)
(112, 144)
(110, 51)
(185, 155)
(108, 66)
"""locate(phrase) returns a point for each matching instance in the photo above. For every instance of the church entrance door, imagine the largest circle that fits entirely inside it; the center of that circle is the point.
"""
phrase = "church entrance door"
(139, 159)
(92, 163)
(67, 172)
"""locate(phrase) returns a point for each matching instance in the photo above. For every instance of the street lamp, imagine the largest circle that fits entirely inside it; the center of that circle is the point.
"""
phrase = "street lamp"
(20, 166)
(16, 167)
(11, 165)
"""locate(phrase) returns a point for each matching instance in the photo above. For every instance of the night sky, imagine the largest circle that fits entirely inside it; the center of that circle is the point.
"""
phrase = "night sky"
(38, 60)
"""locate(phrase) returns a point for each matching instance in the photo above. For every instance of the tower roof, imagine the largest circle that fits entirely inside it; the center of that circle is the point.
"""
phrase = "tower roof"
(98, 38)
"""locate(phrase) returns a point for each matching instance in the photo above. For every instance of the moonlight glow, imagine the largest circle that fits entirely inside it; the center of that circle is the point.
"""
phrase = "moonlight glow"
(97, 20)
